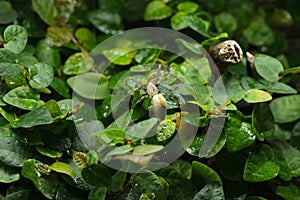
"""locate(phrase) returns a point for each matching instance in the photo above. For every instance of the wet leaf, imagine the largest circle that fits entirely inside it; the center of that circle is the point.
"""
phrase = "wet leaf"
(60, 87)
(9, 70)
(260, 165)
(15, 38)
(157, 10)
(210, 191)
(64, 168)
(198, 24)
(77, 63)
(177, 21)
(165, 130)
(263, 121)
(41, 75)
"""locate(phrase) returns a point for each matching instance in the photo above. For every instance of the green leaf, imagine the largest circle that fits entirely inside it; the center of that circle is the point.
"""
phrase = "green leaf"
(177, 21)
(92, 157)
(288, 158)
(36, 117)
(24, 98)
(77, 64)
(24, 194)
(118, 56)
(289, 192)
(210, 191)
(239, 134)
(225, 22)
(64, 168)
(165, 130)
(147, 149)
(8, 174)
(15, 38)
(118, 180)
(202, 175)
(47, 185)
(48, 152)
(90, 85)
(46, 54)
(41, 75)
(286, 109)
(141, 129)
(198, 24)
(260, 165)
(183, 168)
(255, 198)
(259, 34)
(268, 67)
(58, 36)
(281, 88)
(46, 10)
(97, 175)
(157, 10)
(256, 96)
(263, 121)
(60, 87)
(7, 14)
(98, 194)
(187, 7)
(86, 38)
(106, 21)
(9, 70)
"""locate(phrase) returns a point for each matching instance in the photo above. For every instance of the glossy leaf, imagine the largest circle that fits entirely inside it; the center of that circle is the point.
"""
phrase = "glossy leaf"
(9, 70)
(142, 128)
(64, 168)
(165, 130)
(41, 75)
(97, 175)
(157, 10)
(202, 174)
(106, 21)
(15, 37)
(24, 98)
(90, 85)
(210, 191)
(86, 38)
(118, 180)
(77, 64)
(36, 117)
(198, 24)
(260, 165)
(46, 54)
(8, 174)
(47, 185)
(147, 149)
(281, 88)
(263, 121)
(268, 67)
(286, 109)
(187, 7)
(239, 134)
(98, 194)
(7, 13)
(290, 192)
(118, 56)
(256, 96)
(60, 87)
(48, 152)
(177, 21)
(46, 10)
(58, 36)
(288, 158)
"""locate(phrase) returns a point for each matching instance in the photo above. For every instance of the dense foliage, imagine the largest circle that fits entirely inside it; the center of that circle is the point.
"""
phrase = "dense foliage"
(48, 76)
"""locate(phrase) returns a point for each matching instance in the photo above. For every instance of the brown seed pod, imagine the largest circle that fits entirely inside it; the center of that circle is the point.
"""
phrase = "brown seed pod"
(80, 159)
(228, 51)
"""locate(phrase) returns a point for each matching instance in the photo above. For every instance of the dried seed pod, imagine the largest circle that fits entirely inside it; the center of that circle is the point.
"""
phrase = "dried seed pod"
(80, 159)
(159, 106)
(43, 168)
(228, 51)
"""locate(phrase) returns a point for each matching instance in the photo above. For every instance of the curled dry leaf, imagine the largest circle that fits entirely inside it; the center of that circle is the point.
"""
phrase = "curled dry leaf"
(228, 51)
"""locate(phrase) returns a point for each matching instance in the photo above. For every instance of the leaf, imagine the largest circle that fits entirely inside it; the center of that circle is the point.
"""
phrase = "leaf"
(177, 21)
(64, 168)
(97, 175)
(118, 56)
(202, 174)
(9, 70)
(281, 88)
(288, 158)
(210, 191)
(258, 34)
(141, 129)
(263, 121)
(146, 149)
(256, 96)
(7, 14)
(25, 194)
(187, 7)
(290, 192)
(48, 152)
(46, 54)
(39, 116)
(198, 24)
(47, 185)
(225, 22)
(46, 10)
(58, 36)
(15, 38)
(60, 87)
(77, 64)
(118, 180)
(260, 165)
(98, 194)
(165, 130)
(268, 67)
(157, 10)
(286, 109)
(239, 134)
(8, 174)
(106, 21)
(23, 97)
(86, 38)
(41, 75)
(90, 85)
